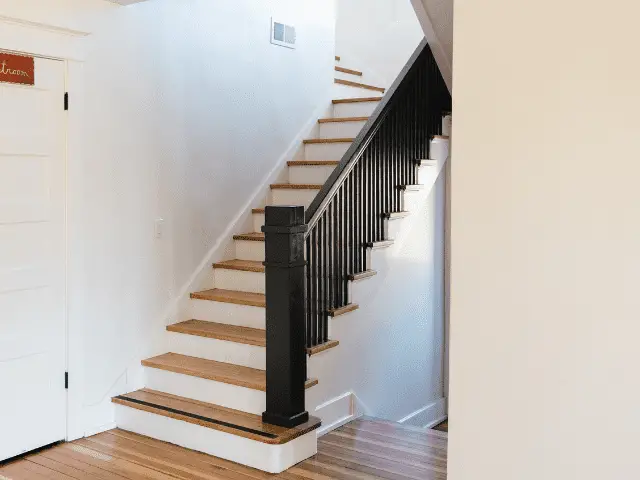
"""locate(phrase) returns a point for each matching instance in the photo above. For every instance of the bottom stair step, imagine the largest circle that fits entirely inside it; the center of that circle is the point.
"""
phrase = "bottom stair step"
(213, 416)
(218, 431)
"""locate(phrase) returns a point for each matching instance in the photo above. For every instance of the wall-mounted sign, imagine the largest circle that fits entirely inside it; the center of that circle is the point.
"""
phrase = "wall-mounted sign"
(17, 69)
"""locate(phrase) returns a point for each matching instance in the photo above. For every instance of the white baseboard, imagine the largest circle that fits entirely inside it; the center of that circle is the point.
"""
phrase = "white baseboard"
(103, 428)
(337, 412)
(427, 416)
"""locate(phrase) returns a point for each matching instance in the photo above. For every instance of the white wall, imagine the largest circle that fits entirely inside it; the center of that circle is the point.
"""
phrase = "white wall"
(391, 350)
(188, 108)
(545, 238)
(376, 37)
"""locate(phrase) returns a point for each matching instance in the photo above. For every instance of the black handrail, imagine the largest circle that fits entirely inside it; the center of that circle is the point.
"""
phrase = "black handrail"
(346, 218)
(361, 141)
(347, 215)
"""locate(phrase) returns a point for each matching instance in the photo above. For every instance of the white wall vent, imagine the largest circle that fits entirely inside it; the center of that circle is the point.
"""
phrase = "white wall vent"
(283, 34)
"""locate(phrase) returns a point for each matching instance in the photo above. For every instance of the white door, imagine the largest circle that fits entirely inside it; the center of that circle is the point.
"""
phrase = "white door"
(32, 261)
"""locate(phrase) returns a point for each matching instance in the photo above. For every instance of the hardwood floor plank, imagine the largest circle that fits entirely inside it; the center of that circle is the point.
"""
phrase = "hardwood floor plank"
(70, 471)
(399, 427)
(314, 466)
(158, 461)
(198, 461)
(361, 450)
(382, 465)
(396, 435)
(45, 472)
(113, 464)
(70, 458)
(354, 465)
(390, 453)
(412, 446)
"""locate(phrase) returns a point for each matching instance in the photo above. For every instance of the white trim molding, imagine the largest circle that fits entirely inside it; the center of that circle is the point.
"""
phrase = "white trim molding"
(38, 39)
(337, 412)
(427, 416)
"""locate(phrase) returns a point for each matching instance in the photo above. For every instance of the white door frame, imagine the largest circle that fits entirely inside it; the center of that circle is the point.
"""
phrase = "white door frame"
(68, 46)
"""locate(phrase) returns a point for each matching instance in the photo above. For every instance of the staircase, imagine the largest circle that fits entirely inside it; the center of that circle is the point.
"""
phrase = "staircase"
(209, 392)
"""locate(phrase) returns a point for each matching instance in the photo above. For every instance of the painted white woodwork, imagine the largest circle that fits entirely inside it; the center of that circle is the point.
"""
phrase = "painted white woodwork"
(310, 174)
(358, 109)
(341, 129)
(32, 261)
(325, 151)
(269, 458)
(249, 250)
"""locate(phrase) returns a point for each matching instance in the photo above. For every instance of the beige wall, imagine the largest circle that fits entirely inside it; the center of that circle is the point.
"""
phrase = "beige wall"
(545, 313)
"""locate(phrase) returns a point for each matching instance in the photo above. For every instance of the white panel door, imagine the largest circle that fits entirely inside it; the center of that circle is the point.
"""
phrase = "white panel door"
(32, 262)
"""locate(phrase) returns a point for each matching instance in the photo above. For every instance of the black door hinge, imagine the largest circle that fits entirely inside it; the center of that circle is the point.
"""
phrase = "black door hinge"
(66, 380)
(66, 101)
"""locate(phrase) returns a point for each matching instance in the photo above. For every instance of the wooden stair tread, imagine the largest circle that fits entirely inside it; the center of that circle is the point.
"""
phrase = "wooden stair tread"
(241, 265)
(321, 348)
(213, 416)
(336, 312)
(356, 100)
(396, 215)
(257, 210)
(380, 244)
(312, 141)
(250, 237)
(349, 71)
(349, 83)
(443, 137)
(312, 163)
(295, 186)
(234, 333)
(211, 370)
(221, 331)
(362, 275)
(411, 188)
(231, 296)
(343, 119)
(426, 163)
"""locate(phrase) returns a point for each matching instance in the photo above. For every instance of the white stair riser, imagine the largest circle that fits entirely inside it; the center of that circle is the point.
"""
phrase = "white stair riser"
(360, 109)
(310, 174)
(346, 91)
(447, 125)
(427, 175)
(293, 197)
(229, 313)
(218, 350)
(325, 151)
(203, 390)
(258, 222)
(439, 149)
(341, 129)
(239, 280)
(247, 250)
(269, 458)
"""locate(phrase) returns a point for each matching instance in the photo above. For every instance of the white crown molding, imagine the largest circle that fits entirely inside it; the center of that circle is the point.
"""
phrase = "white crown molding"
(43, 26)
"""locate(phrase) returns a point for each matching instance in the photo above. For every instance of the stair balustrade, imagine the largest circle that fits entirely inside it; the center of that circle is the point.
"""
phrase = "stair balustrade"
(346, 218)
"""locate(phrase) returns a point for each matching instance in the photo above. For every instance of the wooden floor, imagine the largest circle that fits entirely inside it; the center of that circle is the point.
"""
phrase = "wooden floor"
(442, 427)
(365, 449)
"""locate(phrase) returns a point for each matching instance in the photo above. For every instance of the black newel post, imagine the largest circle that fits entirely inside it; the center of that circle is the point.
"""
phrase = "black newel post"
(285, 291)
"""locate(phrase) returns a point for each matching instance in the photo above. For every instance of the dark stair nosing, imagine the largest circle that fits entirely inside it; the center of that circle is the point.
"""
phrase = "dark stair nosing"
(198, 417)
